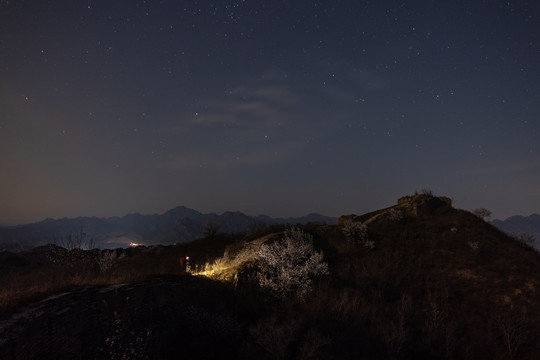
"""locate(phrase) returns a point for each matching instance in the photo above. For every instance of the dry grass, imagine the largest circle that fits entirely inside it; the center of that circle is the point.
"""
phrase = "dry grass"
(30, 276)
(234, 260)
(39, 276)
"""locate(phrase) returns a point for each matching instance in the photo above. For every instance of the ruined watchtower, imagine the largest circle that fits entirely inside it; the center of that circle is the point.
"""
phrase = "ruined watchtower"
(423, 204)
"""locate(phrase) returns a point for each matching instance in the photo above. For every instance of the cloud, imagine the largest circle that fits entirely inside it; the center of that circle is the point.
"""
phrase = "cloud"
(265, 119)
(277, 94)
(257, 102)
(254, 123)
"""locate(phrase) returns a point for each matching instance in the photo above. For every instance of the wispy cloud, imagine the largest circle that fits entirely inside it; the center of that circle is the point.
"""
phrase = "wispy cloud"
(253, 124)
(265, 119)
(257, 102)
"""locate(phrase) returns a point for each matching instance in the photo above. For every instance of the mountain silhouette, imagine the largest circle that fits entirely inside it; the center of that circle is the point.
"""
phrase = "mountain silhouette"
(177, 225)
(519, 224)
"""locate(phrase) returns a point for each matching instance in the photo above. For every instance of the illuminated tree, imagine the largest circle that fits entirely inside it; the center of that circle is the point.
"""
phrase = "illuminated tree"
(288, 266)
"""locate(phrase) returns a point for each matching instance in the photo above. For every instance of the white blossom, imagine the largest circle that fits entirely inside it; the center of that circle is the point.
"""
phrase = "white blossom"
(288, 265)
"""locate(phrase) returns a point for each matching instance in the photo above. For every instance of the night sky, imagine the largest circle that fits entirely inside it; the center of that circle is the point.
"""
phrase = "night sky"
(269, 107)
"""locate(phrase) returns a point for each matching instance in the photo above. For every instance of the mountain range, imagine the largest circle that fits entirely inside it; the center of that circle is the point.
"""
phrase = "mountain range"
(518, 224)
(177, 225)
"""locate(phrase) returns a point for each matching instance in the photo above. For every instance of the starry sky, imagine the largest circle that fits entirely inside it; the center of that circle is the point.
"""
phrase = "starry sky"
(267, 107)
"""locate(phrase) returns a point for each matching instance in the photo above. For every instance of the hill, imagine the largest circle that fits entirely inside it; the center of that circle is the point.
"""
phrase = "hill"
(418, 280)
(177, 225)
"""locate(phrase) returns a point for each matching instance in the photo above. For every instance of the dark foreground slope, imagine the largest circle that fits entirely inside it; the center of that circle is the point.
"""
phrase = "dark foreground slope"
(161, 318)
(427, 281)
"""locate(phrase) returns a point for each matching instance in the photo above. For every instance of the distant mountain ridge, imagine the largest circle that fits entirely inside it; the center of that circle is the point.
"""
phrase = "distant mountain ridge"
(177, 225)
(517, 224)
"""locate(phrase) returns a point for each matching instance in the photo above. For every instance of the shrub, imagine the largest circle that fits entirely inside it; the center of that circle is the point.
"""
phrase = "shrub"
(77, 241)
(525, 238)
(274, 336)
(355, 231)
(395, 215)
(108, 259)
(482, 213)
(287, 266)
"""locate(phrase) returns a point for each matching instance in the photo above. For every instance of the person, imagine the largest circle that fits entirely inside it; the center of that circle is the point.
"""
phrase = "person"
(184, 264)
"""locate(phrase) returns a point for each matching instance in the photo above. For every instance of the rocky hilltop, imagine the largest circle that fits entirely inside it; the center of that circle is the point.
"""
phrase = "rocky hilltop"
(414, 205)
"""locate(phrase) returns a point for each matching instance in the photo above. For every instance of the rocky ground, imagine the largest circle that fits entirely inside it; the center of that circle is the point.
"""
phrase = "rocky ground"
(164, 317)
